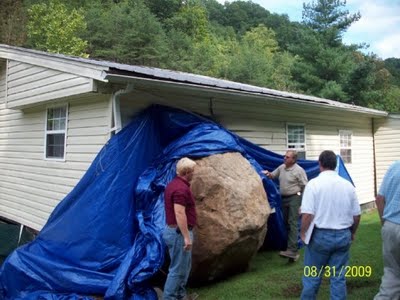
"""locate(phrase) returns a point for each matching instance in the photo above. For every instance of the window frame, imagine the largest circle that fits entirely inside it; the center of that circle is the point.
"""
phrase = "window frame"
(48, 132)
(347, 132)
(298, 150)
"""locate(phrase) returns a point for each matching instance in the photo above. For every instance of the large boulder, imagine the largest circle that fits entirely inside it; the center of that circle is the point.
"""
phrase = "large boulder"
(232, 210)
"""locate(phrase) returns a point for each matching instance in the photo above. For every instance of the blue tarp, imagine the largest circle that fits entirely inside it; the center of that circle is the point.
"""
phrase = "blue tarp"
(104, 238)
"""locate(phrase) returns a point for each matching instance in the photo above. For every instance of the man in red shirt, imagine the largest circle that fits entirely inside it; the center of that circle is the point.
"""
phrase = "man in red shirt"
(180, 212)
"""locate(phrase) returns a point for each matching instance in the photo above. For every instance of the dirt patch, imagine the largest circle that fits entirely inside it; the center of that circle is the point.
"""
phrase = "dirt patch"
(359, 284)
(293, 290)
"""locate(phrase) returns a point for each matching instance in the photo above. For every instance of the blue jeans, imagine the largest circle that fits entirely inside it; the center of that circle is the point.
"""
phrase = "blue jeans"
(328, 250)
(180, 266)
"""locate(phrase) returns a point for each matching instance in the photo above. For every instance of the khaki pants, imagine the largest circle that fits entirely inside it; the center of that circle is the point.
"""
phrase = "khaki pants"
(290, 208)
(390, 286)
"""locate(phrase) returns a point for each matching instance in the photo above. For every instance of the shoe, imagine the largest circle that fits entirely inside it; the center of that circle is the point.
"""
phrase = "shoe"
(289, 254)
(192, 296)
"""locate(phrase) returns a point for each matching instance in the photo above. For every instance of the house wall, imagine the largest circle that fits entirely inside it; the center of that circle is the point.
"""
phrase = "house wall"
(29, 84)
(387, 144)
(30, 186)
(264, 123)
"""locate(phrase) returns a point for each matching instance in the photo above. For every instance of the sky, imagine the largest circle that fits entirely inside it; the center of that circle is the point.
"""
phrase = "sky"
(379, 25)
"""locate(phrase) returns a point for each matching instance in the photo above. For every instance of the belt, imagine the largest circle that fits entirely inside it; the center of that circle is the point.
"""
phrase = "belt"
(190, 227)
(328, 229)
(288, 196)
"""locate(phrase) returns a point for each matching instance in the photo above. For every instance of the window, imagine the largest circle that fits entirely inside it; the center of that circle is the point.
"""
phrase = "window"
(296, 139)
(56, 129)
(345, 145)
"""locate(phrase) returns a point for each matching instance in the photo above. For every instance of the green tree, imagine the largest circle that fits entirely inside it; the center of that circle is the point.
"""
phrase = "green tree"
(54, 28)
(257, 60)
(286, 31)
(282, 75)
(370, 83)
(215, 10)
(212, 56)
(361, 81)
(324, 64)
(251, 61)
(180, 48)
(125, 32)
(193, 47)
(391, 103)
(263, 38)
(164, 9)
(329, 18)
(305, 69)
(393, 66)
(244, 15)
(192, 20)
(12, 22)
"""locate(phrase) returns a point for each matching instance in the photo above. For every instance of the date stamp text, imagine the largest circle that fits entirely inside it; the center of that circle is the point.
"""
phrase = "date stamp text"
(331, 271)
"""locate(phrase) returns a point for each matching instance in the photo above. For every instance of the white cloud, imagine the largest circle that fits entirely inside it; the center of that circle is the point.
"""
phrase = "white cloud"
(376, 18)
(389, 46)
(379, 26)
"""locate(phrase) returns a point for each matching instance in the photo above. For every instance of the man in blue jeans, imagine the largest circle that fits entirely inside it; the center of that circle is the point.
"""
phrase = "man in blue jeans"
(180, 212)
(331, 210)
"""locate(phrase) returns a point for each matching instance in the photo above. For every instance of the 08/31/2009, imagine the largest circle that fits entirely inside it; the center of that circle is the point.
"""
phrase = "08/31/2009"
(332, 271)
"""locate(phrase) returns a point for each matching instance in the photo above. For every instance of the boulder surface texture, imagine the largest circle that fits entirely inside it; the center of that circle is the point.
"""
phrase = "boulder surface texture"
(232, 213)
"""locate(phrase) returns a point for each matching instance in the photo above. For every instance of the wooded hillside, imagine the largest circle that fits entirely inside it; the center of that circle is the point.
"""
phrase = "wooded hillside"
(238, 40)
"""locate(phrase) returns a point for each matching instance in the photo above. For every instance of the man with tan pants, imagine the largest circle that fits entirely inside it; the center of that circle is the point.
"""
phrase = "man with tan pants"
(388, 204)
(292, 180)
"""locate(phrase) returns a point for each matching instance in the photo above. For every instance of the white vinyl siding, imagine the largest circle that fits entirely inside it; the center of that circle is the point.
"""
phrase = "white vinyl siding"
(31, 187)
(321, 134)
(387, 144)
(29, 85)
(264, 123)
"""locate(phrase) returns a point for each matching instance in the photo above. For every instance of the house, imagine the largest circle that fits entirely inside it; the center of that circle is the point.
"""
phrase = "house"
(387, 144)
(56, 113)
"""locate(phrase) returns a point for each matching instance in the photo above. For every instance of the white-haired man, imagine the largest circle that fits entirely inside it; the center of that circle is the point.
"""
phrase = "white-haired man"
(180, 214)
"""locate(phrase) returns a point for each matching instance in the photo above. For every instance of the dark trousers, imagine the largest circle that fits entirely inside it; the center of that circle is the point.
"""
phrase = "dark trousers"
(290, 208)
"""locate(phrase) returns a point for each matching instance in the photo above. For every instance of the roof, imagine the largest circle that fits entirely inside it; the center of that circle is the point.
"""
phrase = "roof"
(107, 71)
(394, 115)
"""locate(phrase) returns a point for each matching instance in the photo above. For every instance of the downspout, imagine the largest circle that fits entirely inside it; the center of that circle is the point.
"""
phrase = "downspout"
(116, 108)
(211, 108)
(21, 229)
(374, 157)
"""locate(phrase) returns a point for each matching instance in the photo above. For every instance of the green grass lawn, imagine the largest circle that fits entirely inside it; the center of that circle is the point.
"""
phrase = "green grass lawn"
(272, 277)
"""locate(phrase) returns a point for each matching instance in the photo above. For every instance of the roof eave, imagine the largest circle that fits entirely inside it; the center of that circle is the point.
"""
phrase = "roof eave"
(264, 95)
(55, 61)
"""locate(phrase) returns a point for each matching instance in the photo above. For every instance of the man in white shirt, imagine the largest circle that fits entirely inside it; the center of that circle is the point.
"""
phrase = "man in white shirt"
(331, 207)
